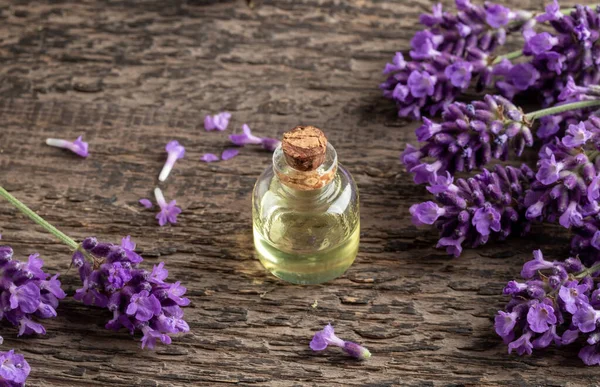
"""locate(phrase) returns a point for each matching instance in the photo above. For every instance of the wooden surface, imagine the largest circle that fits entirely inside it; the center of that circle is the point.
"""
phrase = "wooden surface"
(132, 75)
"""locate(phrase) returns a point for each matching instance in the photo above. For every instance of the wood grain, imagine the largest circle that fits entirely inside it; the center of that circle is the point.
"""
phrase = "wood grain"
(132, 75)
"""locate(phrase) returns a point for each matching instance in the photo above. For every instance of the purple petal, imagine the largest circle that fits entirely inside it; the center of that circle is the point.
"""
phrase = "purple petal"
(229, 153)
(145, 203)
(209, 157)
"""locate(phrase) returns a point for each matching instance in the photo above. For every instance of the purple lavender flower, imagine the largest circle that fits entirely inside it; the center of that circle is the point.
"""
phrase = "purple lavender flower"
(520, 77)
(486, 219)
(229, 154)
(78, 146)
(452, 50)
(459, 74)
(540, 43)
(567, 178)
(497, 15)
(245, 138)
(218, 121)
(209, 157)
(398, 63)
(168, 212)
(14, 369)
(530, 268)
(175, 152)
(146, 203)
(522, 345)
(552, 13)
(143, 306)
(424, 45)
(26, 292)
(555, 305)
(421, 84)
(573, 296)
(577, 135)
(141, 301)
(468, 138)
(327, 337)
(426, 213)
(539, 316)
(570, 50)
(488, 205)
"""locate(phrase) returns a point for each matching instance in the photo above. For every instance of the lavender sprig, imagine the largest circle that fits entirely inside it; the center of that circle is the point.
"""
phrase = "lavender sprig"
(473, 210)
(452, 50)
(26, 292)
(471, 135)
(558, 303)
(570, 50)
(140, 300)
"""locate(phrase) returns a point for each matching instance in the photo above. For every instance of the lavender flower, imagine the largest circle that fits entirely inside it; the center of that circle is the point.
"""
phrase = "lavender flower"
(140, 300)
(229, 154)
(447, 55)
(556, 304)
(146, 203)
(209, 157)
(14, 369)
(245, 138)
(471, 211)
(327, 337)
(566, 187)
(78, 146)
(168, 212)
(468, 138)
(552, 13)
(497, 15)
(568, 51)
(175, 152)
(218, 121)
(26, 292)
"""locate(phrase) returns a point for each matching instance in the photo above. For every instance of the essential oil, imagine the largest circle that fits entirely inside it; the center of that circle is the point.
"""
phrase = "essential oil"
(305, 211)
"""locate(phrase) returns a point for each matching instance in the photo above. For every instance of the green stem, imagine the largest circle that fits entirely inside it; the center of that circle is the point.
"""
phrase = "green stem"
(38, 219)
(511, 55)
(591, 270)
(561, 108)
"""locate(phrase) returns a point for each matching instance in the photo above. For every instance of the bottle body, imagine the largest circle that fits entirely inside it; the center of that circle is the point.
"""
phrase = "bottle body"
(306, 236)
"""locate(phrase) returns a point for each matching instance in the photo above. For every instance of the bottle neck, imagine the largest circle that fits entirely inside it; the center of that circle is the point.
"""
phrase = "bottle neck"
(305, 181)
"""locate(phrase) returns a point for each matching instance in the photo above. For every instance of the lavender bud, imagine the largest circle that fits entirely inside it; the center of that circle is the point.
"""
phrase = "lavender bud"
(6, 254)
(101, 250)
(89, 243)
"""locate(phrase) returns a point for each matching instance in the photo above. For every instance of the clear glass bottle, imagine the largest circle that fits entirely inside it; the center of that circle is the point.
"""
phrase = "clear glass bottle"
(305, 211)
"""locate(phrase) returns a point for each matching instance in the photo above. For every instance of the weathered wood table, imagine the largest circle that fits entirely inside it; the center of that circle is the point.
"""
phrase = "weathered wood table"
(132, 75)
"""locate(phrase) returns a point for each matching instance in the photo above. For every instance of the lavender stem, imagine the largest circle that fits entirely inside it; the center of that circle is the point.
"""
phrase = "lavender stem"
(38, 219)
(560, 109)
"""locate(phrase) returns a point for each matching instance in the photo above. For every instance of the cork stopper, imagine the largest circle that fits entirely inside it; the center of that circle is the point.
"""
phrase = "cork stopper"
(304, 148)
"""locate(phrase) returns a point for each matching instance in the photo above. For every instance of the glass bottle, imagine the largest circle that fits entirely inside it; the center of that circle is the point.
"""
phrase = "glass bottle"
(305, 211)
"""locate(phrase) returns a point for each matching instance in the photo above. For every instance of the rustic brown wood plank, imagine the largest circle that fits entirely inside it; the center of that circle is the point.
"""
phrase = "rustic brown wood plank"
(132, 75)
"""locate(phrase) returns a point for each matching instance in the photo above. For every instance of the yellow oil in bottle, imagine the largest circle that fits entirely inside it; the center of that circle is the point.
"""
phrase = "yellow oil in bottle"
(307, 249)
